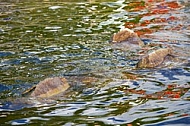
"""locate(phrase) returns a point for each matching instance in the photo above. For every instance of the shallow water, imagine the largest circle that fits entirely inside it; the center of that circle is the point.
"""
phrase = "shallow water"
(41, 39)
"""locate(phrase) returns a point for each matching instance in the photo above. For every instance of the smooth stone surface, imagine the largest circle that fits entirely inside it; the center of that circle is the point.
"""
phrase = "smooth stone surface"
(128, 36)
(50, 87)
(154, 58)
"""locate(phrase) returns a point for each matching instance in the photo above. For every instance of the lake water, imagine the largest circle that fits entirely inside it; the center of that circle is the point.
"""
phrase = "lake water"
(41, 39)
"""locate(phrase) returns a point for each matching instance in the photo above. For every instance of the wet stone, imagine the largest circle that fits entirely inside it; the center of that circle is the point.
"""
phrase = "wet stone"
(128, 36)
(50, 87)
(127, 41)
(154, 58)
(58, 86)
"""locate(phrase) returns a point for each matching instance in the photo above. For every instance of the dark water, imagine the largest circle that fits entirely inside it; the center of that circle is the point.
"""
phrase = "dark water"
(41, 39)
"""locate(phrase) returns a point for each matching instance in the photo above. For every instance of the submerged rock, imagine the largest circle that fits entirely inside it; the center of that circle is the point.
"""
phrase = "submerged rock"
(50, 87)
(155, 58)
(57, 86)
(128, 40)
(128, 36)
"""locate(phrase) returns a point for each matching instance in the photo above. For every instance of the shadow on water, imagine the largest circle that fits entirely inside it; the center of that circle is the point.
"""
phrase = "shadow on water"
(41, 39)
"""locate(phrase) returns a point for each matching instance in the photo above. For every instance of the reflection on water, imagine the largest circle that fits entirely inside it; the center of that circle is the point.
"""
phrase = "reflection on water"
(71, 39)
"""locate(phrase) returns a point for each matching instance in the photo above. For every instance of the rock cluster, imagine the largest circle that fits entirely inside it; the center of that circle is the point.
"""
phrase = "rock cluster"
(56, 85)
(149, 60)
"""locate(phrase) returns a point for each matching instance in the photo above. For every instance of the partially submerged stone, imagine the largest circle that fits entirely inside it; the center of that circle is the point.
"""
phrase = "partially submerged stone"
(154, 59)
(50, 87)
(128, 40)
(128, 36)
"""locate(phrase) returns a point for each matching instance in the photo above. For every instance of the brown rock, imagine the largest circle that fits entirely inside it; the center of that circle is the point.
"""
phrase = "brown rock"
(127, 35)
(154, 59)
(50, 87)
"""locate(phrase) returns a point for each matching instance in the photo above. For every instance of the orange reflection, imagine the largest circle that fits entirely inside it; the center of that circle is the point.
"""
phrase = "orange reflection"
(173, 4)
(135, 6)
(172, 91)
(144, 31)
(155, 9)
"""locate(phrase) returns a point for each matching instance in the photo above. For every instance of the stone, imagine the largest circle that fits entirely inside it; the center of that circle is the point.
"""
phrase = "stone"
(50, 87)
(127, 35)
(154, 58)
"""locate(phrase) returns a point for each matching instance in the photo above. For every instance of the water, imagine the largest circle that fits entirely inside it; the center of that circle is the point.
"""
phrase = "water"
(41, 39)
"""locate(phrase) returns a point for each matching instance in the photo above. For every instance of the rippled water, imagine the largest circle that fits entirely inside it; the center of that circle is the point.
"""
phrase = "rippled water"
(41, 39)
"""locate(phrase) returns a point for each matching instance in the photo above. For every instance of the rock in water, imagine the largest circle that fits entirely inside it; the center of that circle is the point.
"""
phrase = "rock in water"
(128, 36)
(154, 59)
(50, 87)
